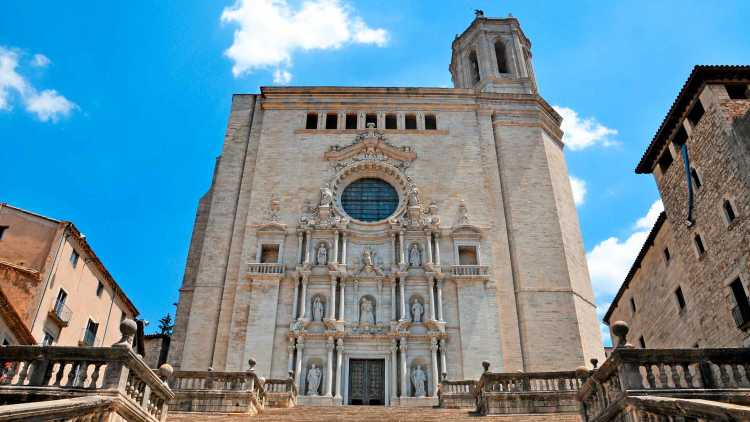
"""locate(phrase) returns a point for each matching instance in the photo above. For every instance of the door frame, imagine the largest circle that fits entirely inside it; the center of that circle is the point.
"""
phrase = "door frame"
(386, 357)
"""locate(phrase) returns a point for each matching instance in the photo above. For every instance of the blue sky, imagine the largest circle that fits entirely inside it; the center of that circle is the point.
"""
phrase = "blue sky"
(112, 113)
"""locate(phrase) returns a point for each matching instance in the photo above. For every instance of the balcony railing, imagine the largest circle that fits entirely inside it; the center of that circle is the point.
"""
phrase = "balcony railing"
(31, 373)
(457, 394)
(266, 268)
(281, 392)
(217, 392)
(61, 313)
(468, 270)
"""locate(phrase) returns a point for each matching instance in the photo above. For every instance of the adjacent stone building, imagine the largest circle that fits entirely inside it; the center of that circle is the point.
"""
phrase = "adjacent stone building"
(371, 239)
(689, 284)
(55, 285)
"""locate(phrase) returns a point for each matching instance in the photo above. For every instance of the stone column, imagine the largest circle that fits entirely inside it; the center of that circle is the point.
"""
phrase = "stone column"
(329, 368)
(443, 352)
(308, 245)
(435, 373)
(401, 259)
(296, 299)
(440, 299)
(303, 303)
(341, 301)
(394, 371)
(401, 282)
(290, 361)
(393, 246)
(298, 370)
(404, 370)
(433, 314)
(335, 247)
(343, 249)
(393, 299)
(339, 366)
(258, 250)
(437, 249)
(300, 257)
(428, 249)
(332, 305)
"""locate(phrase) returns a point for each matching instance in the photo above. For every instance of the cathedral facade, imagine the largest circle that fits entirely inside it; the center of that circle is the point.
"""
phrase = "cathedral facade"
(370, 241)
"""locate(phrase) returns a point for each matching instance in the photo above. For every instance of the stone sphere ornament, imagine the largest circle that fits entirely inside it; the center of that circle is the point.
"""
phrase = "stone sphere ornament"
(165, 372)
(128, 328)
(620, 329)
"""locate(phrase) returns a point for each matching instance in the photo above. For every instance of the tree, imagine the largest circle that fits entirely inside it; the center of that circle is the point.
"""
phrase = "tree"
(166, 325)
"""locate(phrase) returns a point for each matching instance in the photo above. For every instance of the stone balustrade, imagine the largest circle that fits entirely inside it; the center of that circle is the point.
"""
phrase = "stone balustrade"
(48, 373)
(281, 392)
(218, 392)
(457, 394)
(468, 270)
(720, 375)
(266, 268)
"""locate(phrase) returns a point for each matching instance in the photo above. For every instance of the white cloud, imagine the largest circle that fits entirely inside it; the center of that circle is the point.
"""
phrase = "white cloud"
(270, 31)
(610, 260)
(580, 133)
(46, 105)
(281, 77)
(40, 60)
(579, 189)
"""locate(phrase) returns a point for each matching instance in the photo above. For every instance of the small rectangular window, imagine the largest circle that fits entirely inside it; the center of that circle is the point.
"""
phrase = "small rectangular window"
(3, 229)
(467, 255)
(89, 337)
(99, 288)
(695, 114)
(74, 258)
(632, 305)
(371, 118)
(430, 122)
(680, 297)
(741, 310)
(667, 255)
(312, 121)
(269, 254)
(680, 137)
(332, 121)
(665, 160)
(642, 342)
(738, 92)
(696, 179)
(410, 121)
(351, 121)
(390, 121)
(699, 244)
(729, 211)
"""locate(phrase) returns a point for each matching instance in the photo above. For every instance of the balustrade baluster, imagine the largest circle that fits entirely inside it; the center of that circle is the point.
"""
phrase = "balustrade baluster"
(675, 375)
(663, 379)
(74, 368)
(95, 375)
(746, 368)
(723, 375)
(24, 372)
(687, 375)
(736, 374)
(650, 376)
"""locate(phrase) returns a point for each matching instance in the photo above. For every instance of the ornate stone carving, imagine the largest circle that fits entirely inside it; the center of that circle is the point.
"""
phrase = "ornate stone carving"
(463, 214)
(415, 255)
(366, 311)
(419, 378)
(321, 255)
(326, 195)
(318, 309)
(274, 209)
(314, 375)
(369, 262)
(370, 145)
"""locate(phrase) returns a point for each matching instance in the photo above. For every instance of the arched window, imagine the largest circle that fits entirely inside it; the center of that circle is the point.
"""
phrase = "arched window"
(474, 67)
(502, 64)
(369, 199)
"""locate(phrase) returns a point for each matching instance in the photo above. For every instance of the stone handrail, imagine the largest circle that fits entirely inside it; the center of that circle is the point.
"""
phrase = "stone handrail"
(456, 394)
(281, 392)
(468, 270)
(213, 391)
(699, 373)
(265, 268)
(524, 382)
(45, 372)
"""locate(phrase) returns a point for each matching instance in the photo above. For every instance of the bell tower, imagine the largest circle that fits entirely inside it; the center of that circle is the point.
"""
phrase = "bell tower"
(493, 55)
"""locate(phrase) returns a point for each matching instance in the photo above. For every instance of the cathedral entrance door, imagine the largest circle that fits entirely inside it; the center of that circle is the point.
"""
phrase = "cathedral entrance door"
(367, 381)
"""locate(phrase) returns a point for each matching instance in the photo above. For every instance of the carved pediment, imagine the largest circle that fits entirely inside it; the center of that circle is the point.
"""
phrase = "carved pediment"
(370, 145)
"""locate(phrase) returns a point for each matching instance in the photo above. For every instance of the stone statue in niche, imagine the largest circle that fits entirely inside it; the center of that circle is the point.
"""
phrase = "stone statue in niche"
(321, 256)
(417, 310)
(326, 195)
(318, 309)
(415, 256)
(366, 312)
(418, 378)
(313, 380)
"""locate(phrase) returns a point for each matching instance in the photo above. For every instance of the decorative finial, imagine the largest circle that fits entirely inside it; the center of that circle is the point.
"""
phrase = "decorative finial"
(128, 328)
(479, 13)
(486, 365)
(251, 364)
(620, 330)
(165, 372)
(594, 362)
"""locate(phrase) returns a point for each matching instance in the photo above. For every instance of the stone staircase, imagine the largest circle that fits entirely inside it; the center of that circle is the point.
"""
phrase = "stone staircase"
(367, 413)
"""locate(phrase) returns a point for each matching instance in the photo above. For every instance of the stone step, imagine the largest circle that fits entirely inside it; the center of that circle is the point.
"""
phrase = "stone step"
(369, 414)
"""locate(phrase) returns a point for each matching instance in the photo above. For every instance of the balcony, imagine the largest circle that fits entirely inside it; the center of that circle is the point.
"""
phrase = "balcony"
(265, 268)
(61, 314)
(469, 271)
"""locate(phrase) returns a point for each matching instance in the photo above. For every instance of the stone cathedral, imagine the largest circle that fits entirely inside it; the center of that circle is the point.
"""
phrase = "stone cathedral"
(370, 241)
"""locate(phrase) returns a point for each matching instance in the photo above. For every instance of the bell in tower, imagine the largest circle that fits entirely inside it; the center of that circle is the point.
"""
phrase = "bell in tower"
(493, 55)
